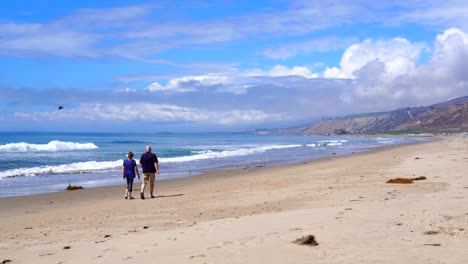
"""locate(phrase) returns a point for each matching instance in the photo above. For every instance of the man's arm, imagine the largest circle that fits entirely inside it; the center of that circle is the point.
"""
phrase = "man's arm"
(156, 165)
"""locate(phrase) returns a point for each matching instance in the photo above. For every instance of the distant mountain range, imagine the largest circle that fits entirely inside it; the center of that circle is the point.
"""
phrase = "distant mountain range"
(446, 117)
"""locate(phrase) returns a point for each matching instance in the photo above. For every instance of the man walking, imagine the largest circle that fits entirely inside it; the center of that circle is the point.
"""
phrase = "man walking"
(149, 164)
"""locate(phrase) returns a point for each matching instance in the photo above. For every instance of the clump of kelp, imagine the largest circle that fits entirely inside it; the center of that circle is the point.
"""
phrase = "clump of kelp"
(406, 180)
(72, 188)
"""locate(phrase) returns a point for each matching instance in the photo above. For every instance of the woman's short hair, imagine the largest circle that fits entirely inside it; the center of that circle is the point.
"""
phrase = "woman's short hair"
(130, 154)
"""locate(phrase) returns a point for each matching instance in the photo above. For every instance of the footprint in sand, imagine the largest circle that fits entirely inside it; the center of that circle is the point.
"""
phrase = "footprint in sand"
(295, 229)
(199, 255)
(215, 247)
(46, 254)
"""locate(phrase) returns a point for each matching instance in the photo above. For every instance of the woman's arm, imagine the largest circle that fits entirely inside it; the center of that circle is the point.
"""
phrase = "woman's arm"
(136, 170)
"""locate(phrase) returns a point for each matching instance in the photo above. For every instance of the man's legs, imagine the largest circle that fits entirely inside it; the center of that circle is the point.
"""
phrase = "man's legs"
(143, 185)
(152, 179)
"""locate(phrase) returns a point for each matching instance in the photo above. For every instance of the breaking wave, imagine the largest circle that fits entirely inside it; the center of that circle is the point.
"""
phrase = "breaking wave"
(54, 145)
(77, 167)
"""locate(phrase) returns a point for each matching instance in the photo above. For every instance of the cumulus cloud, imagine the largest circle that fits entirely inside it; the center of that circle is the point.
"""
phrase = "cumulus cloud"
(388, 73)
(399, 55)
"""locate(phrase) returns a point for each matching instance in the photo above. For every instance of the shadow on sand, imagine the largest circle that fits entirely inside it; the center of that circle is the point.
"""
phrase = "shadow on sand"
(167, 196)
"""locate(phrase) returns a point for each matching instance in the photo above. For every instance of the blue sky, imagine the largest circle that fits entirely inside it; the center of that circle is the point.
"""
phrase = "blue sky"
(135, 66)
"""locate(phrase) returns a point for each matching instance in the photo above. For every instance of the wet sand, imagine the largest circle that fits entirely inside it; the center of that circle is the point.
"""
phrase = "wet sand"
(253, 215)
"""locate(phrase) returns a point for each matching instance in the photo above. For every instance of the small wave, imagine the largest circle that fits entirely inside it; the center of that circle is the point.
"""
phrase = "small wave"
(77, 167)
(53, 145)
(208, 154)
(128, 142)
(332, 142)
(385, 141)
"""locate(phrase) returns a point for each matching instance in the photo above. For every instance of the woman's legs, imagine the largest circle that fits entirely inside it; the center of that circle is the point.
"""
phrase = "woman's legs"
(129, 187)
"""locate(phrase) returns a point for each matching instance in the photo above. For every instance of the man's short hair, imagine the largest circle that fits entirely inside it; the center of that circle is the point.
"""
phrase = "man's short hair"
(148, 147)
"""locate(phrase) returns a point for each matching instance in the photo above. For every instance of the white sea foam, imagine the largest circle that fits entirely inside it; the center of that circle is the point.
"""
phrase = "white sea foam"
(77, 167)
(54, 145)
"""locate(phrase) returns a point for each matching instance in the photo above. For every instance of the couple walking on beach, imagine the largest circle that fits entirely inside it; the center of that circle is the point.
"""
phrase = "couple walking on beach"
(149, 165)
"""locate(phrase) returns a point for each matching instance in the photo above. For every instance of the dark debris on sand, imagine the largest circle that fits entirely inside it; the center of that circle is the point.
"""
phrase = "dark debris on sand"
(406, 180)
(72, 188)
(308, 240)
(6, 261)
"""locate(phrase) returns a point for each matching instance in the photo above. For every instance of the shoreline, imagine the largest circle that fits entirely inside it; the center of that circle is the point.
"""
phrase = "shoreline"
(252, 215)
(243, 167)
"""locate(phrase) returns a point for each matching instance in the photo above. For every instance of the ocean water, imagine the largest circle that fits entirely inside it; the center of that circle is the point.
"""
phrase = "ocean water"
(32, 163)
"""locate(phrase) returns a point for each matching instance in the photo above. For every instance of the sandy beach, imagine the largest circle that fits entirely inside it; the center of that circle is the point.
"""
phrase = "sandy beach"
(252, 215)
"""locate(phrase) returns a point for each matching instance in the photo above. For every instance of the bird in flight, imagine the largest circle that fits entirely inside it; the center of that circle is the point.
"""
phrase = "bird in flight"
(60, 107)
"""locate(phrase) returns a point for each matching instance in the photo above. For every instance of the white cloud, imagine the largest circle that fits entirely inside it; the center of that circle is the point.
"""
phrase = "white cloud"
(235, 81)
(450, 46)
(442, 13)
(190, 83)
(131, 31)
(388, 74)
(31, 40)
(334, 72)
(280, 70)
(152, 113)
(399, 55)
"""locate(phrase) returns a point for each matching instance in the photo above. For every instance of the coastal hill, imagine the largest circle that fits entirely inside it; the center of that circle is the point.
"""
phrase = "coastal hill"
(446, 117)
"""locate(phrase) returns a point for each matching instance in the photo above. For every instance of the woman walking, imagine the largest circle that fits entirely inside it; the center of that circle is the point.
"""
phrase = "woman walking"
(129, 169)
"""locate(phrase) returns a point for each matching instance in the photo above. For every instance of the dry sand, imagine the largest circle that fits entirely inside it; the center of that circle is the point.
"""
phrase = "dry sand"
(253, 215)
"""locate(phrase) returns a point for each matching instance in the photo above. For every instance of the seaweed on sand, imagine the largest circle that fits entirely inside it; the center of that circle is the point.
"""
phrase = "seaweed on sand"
(72, 188)
(406, 180)
(308, 240)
